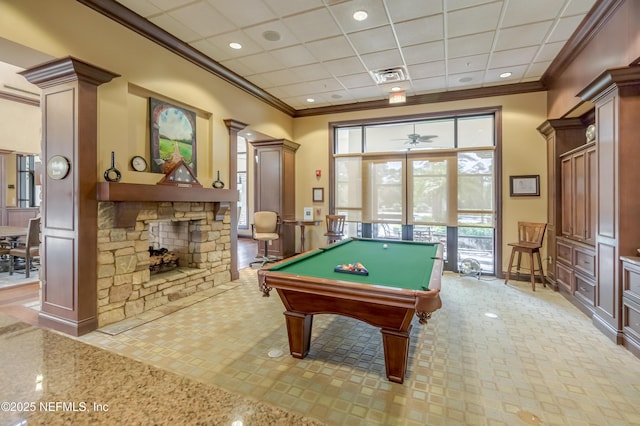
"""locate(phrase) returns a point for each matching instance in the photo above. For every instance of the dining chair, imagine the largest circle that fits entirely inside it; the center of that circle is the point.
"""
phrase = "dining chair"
(530, 236)
(335, 228)
(29, 250)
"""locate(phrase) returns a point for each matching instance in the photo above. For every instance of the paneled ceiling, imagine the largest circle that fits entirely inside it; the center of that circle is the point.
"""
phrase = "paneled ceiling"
(303, 50)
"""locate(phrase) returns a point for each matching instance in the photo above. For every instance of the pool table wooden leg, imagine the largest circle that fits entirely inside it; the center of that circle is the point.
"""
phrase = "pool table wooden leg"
(396, 353)
(299, 330)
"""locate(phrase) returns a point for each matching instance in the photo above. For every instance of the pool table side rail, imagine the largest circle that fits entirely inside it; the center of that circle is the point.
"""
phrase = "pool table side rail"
(424, 301)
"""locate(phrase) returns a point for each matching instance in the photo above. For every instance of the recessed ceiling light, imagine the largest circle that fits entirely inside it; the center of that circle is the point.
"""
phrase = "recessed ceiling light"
(235, 45)
(490, 315)
(310, 100)
(396, 89)
(505, 75)
(271, 35)
(360, 15)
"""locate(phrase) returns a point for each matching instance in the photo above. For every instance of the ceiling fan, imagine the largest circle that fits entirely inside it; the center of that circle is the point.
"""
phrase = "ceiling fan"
(415, 138)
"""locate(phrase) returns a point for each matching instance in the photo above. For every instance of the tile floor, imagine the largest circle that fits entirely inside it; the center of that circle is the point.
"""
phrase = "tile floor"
(493, 355)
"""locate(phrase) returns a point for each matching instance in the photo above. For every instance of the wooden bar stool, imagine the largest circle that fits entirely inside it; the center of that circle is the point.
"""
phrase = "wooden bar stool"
(530, 236)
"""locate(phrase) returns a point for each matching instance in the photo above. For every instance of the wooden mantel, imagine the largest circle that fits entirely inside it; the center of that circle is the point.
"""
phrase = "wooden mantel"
(130, 196)
(114, 191)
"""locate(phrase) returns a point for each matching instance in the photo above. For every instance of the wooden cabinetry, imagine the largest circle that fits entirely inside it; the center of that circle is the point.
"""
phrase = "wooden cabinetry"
(578, 180)
(616, 96)
(576, 272)
(275, 189)
(631, 303)
(561, 136)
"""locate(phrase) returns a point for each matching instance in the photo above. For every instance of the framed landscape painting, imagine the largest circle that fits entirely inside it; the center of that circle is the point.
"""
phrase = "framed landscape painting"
(173, 136)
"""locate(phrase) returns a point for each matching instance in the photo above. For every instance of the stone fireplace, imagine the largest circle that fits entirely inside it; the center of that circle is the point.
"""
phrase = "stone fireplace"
(198, 231)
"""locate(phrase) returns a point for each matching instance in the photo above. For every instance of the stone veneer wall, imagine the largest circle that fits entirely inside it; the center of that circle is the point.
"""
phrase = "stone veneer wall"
(125, 285)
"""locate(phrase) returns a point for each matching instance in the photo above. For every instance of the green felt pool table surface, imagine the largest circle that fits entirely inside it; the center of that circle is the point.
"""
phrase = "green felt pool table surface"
(403, 264)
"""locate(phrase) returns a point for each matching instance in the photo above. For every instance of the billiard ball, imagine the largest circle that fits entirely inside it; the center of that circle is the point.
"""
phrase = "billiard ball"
(384, 246)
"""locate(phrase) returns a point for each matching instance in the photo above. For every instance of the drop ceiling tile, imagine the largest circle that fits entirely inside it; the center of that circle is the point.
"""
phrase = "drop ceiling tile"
(520, 12)
(314, 25)
(143, 8)
(404, 10)
(382, 60)
(331, 48)
(176, 28)
(429, 84)
(281, 78)
(202, 18)
(287, 38)
(238, 67)
(288, 7)
(549, 51)
(537, 69)
(478, 19)
(420, 30)
(169, 4)
(211, 50)
(474, 44)
(426, 52)
(507, 58)
(578, 7)
(312, 72)
(522, 36)
(355, 80)
(367, 93)
(429, 69)
(221, 43)
(293, 56)
(243, 13)
(453, 80)
(345, 66)
(467, 64)
(259, 63)
(564, 28)
(373, 40)
(343, 13)
(492, 76)
(451, 5)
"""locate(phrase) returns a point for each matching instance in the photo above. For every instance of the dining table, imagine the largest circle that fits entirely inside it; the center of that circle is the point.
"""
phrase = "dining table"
(12, 233)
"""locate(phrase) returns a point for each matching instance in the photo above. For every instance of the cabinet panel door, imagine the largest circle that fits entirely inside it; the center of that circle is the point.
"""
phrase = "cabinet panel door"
(591, 194)
(566, 182)
(579, 197)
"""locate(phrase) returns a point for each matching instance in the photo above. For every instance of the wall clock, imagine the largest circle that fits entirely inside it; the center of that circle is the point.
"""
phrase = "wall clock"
(138, 163)
(58, 167)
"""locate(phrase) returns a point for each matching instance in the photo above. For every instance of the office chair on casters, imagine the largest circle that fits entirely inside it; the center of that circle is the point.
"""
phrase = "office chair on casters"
(335, 228)
(265, 228)
(29, 250)
(530, 236)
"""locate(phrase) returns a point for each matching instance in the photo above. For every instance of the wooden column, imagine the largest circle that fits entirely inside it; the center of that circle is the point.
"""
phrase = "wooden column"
(69, 206)
(234, 127)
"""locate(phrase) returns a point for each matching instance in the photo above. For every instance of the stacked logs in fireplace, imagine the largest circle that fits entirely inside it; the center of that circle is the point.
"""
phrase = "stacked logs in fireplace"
(162, 260)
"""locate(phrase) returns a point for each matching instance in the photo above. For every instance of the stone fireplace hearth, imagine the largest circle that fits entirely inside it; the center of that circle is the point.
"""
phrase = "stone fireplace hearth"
(125, 285)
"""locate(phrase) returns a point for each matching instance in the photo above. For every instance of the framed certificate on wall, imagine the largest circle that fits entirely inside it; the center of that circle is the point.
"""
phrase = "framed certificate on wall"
(524, 186)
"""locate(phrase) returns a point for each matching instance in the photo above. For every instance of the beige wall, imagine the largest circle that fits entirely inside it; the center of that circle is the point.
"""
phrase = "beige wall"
(65, 27)
(20, 124)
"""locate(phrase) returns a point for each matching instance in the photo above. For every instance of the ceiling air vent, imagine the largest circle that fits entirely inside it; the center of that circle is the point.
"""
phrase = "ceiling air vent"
(390, 75)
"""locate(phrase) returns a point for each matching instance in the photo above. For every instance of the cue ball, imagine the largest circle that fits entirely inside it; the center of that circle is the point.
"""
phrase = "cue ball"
(384, 246)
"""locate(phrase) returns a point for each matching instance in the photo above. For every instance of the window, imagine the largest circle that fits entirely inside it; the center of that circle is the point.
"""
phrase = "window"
(28, 193)
(243, 210)
(422, 179)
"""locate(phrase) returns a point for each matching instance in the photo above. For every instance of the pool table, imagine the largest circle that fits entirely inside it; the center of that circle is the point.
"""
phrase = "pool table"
(403, 278)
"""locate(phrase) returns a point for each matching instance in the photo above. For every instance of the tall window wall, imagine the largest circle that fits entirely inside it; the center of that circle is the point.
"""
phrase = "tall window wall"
(421, 179)
(28, 193)
(243, 208)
